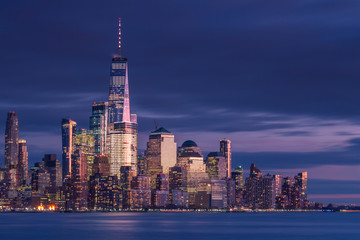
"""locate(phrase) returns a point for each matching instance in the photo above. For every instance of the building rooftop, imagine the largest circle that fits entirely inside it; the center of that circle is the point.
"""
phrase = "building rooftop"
(189, 143)
(160, 130)
(215, 154)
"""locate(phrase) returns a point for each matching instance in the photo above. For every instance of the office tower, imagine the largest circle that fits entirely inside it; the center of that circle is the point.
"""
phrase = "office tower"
(3, 183)
(98, 124)
(12, 148)
(77, 185)
(231, 193)
(40, 179)
(201, 197)
(140, 193)
(238, 176)
(22, 167)
(178, 196)
(162, 182)
(126, 176)
(85, 141)
(68, 129)
(119, 103)
(141, 164)
(160, 196)
(101, 165)
(161, 149)
(218, 194)
(225, 149)
(123, 147)
(122, 125)
(52, 166)
(216, 165)
(190, 159)
(104, 193)
(160, 154)
(177, 178)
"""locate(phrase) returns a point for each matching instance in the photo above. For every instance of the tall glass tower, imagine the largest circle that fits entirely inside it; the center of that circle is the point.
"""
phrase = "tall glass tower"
(122, 126)
(12, 147)
(98, 124)
(68, 130)
(11, 140)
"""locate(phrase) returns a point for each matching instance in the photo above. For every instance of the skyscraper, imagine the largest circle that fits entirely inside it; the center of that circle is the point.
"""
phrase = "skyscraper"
(119, 102)
(77, 185)
(68, 129)
(238, 176)
(11, 143)
(160, 154)
(22, 167)
(98, 124)
(52, 166)
(225, 149)
(123, 147)
(85, 141)
(12, 147)
(216, 165)
(122, 126)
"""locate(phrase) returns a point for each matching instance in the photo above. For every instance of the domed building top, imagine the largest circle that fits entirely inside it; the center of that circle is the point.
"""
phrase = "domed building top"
(189, 143)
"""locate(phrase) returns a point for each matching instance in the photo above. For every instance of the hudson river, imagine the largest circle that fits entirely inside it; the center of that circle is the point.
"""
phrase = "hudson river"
(252, 226)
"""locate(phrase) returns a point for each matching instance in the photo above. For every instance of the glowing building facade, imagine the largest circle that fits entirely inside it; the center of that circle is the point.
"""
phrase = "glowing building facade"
(68, 129)
(85, 141)
(12, 148)
(160, 154)
(22, 167)
(122, 126)
(216, 165)
(123, 147)
(98, 125)
(225, 149)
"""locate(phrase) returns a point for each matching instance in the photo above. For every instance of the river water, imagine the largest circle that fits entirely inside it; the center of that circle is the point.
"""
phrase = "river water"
(188, 225)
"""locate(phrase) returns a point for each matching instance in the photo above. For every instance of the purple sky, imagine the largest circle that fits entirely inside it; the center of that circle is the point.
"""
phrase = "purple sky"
(278, 78)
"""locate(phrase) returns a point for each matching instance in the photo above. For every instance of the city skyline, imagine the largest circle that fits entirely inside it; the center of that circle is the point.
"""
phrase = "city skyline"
(309, 133)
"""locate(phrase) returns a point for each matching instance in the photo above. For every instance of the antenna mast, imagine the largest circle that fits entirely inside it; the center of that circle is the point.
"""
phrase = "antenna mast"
(119, 37)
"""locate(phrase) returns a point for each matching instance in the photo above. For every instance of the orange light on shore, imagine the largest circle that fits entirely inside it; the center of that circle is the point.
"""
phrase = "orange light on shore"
(40, 208)
(52, 208)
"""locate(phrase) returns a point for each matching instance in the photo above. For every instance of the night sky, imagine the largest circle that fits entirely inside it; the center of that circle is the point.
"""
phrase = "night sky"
(281, 79)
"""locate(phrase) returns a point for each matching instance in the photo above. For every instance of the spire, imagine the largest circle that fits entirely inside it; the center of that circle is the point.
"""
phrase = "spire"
(126, 110)
(119, 37)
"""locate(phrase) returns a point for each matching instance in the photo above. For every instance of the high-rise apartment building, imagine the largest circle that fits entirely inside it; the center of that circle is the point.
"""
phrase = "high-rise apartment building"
(68, 129)
(259, 190)
(225, 149)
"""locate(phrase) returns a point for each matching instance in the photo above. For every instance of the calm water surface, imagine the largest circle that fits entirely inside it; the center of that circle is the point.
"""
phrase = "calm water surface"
(102, 226)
